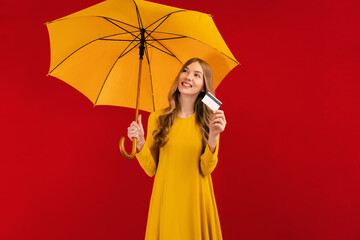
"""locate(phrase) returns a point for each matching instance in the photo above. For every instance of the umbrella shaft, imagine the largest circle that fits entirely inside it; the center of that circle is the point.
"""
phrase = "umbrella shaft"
(138, 90)
(141, 53)
(142, 43)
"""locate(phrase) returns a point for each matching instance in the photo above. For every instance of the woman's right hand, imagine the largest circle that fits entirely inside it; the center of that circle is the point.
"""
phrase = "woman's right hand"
(136, 130)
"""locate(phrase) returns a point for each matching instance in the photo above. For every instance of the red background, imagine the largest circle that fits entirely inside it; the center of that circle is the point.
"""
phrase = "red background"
(289, 158)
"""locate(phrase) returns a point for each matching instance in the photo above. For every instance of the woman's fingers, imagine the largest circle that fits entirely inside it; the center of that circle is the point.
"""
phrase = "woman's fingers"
(134, 131)
(139, 123)
(218, 122)
(219, 114)
(218, 117)
(135, 125)
(219, 125)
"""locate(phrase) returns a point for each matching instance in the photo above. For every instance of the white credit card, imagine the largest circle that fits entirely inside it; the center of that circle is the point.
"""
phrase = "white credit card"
(211, 101)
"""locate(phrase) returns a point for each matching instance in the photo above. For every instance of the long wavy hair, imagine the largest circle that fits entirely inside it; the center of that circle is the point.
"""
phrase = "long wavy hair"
(203, 113)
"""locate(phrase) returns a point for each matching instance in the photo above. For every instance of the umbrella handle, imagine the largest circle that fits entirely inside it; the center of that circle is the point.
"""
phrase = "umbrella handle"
(122, 139)
(123, 151)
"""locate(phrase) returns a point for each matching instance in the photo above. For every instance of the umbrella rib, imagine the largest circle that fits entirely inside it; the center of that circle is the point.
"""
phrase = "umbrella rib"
(154, 39)
(138, 16)
(83, 47)
(170, 53)
(124, 53)
(174, 34)
(108, 19)
(72, 54)
(183, 36)
(165, 16)
(115, 20)
(149, 34)
(151, 80)
(118, 34)
(117, 40)
(163, 39)
(64, 19)
(230, 58)
(107, 76)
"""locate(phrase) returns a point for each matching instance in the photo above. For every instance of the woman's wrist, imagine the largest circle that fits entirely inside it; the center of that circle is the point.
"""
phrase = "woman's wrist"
(140, 145)
(212, 142)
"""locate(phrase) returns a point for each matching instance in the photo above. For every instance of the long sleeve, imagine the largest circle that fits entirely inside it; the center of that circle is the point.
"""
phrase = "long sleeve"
(208, 160)
(148, 156)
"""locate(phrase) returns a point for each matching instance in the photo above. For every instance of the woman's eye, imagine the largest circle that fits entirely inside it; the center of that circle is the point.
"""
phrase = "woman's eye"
(197, 75)
(184, 70)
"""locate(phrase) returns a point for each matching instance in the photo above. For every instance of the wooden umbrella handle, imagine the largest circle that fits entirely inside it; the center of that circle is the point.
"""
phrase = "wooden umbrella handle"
(123, 151)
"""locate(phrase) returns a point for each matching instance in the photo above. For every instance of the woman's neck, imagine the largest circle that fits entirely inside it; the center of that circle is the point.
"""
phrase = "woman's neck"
(186, 105)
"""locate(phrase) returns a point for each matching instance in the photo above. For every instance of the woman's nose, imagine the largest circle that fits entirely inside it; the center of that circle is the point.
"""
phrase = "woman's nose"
(188, 75)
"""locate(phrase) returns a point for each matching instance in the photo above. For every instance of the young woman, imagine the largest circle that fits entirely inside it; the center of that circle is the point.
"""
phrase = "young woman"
(181, 150)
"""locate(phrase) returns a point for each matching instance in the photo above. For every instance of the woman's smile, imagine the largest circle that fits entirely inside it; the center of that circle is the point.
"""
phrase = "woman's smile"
(186, 84)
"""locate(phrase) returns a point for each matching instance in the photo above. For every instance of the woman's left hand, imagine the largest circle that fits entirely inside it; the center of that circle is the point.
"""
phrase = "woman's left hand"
(217, 124)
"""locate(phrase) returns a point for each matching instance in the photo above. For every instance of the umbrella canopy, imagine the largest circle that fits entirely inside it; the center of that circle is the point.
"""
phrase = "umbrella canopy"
(96, 50)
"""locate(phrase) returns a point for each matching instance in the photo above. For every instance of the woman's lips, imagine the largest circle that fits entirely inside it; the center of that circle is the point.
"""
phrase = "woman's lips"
(186, 84)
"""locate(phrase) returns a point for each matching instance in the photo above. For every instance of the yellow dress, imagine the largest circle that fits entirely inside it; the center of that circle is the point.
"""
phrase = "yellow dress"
(182, 205)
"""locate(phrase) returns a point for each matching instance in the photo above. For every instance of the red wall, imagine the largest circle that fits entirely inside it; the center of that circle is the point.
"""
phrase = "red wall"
(289, 158)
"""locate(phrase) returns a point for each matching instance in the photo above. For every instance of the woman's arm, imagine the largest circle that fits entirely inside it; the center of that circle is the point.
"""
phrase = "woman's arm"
(147, 150)
(209, 159)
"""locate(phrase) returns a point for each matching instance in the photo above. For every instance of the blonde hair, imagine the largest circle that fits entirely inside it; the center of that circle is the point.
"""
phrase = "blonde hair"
(203, 113)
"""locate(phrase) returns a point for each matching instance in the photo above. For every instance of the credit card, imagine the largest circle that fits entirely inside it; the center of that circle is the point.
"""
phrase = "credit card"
(211, 101)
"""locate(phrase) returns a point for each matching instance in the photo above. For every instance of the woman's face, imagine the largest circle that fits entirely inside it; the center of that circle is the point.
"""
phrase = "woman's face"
(191, 80)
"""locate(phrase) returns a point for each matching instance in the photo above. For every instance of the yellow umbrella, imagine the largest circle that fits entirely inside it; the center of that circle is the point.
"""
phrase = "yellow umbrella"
(99, 51)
